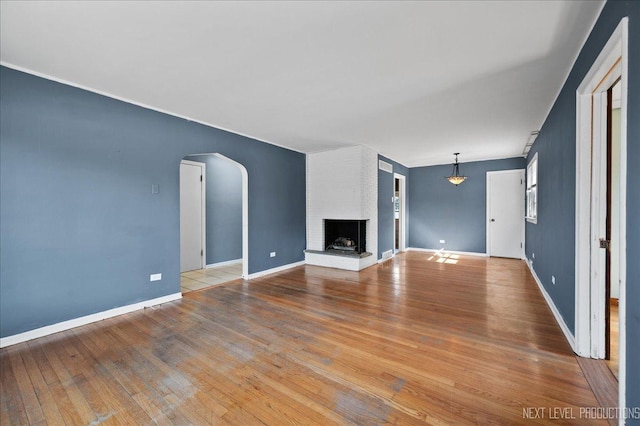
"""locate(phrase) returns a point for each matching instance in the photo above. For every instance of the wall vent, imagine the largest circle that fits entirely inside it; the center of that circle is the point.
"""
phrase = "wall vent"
(384, 166)
(387, 254)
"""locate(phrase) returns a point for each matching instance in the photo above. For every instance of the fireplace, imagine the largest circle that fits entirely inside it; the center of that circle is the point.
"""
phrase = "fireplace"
(342, 184)
(345, 236)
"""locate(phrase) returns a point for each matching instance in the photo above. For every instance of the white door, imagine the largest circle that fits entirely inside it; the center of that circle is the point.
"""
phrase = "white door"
(191, 216)
(505, 213)
(399, 215)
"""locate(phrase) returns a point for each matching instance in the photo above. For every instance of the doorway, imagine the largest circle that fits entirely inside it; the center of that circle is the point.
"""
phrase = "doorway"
(224, 217)
(612, 254)
(399, 213)
(505, 213)
(596, 181)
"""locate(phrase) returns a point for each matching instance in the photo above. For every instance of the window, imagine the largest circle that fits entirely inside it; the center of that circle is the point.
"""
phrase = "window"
(532, 189)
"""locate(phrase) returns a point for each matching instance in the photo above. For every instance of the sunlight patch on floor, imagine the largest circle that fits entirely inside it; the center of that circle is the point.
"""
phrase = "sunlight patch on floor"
(442, 256)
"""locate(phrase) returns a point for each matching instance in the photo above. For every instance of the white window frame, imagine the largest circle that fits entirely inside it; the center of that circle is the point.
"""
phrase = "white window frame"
(532, 190)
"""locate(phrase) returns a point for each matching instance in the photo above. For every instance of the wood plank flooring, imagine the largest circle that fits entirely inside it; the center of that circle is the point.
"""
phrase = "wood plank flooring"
(418, 339)
(602, 382)
(614, 338)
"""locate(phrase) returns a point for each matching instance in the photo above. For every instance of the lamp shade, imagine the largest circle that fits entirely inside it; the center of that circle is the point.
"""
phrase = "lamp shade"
(456, 178)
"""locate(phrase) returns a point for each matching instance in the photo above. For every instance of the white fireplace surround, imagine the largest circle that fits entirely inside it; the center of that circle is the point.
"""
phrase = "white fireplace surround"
(342, 184)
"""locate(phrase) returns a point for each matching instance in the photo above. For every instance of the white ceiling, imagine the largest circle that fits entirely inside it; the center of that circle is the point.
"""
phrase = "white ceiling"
(415, 81)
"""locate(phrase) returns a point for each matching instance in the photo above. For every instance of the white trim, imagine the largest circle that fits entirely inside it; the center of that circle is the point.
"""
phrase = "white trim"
(488, 212)
(463, 253)
(487, 219)
(203, 200)
(245, 209)
(556, 313)
(245, 214)
(225, 263)
(88, 319)
(403, 211)
(598, 224)
(531, 163)
(505, 171)
(275, 270)
(200, 164)
(390, 255)
(590, 176)
(591, 137)
(622, 302)
(427, 163)
(140, 104)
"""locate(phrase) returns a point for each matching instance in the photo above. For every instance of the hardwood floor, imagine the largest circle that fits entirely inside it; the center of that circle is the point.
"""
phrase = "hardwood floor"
(417, 339)
(602, 382)
(614, 338)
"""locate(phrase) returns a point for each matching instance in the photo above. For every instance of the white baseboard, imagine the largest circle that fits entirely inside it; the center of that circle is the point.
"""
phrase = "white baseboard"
(275, 270)
(556, 313)
(225, 263)
(387, 255)
(88, 319)
(464, 253)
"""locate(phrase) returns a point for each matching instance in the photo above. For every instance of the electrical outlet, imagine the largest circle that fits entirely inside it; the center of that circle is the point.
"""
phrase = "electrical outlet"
(155, 277)
(272, 254)
(553, 279)
(533, 255)
(441, 241)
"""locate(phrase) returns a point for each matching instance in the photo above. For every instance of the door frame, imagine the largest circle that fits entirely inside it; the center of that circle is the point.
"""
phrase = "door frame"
(402, 244)
(245, 214)
(488, 211)
(203, 199)
(591, 179)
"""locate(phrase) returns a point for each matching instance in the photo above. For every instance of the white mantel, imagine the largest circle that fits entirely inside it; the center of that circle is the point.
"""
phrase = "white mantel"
(342, 184)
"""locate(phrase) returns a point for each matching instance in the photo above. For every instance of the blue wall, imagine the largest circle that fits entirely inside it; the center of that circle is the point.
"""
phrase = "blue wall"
(223, 208)
(386, 236)
(80, 230)
(442, 211)
(552, 239)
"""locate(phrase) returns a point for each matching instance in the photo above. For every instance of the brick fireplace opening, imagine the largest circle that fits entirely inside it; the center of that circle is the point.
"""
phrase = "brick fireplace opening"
(342, 236)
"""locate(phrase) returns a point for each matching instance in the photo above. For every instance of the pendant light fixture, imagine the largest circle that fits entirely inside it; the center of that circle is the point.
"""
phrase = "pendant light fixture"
(455, 177)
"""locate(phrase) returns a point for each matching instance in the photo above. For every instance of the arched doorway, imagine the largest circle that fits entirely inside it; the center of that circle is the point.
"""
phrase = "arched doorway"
(214, 224)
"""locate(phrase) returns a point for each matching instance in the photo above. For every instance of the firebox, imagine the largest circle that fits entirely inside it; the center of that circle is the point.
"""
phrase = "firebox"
(345, 236)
